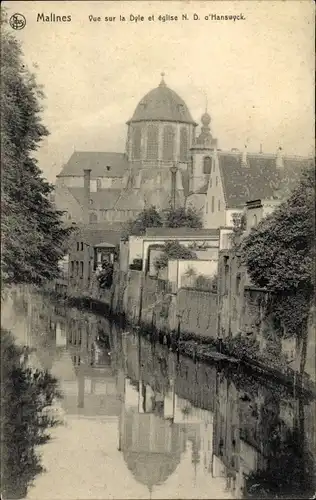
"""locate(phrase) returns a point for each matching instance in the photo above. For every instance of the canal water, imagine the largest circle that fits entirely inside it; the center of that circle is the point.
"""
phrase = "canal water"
(139, 422)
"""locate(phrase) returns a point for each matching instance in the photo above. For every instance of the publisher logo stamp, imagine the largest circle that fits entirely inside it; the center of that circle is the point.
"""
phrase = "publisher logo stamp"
(17, 21)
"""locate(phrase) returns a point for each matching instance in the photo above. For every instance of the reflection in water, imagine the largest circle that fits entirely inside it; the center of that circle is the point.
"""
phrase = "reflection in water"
(185, 430)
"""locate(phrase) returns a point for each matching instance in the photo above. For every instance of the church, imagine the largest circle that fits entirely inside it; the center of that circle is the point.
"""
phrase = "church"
(168, 161)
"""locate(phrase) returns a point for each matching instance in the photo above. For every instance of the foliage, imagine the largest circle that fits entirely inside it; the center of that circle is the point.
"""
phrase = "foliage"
(173, 250)
(149, 217)
(239, 226)
(182, 217)
(206, 283)
(280, 254)
(290, 469)
(32, 230)
(24, 394)
(105, 275)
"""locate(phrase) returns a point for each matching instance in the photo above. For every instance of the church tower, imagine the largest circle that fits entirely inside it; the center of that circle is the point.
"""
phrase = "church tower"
(160, 134)
(201, 156)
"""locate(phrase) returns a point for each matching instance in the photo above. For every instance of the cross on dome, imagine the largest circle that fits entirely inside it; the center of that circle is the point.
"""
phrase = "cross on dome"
(162, 83)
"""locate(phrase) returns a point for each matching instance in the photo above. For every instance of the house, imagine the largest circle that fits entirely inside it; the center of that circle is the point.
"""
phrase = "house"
(237, 177)
(86, 248)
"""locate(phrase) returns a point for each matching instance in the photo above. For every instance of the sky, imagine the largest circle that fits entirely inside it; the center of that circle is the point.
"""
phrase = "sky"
(256, 73)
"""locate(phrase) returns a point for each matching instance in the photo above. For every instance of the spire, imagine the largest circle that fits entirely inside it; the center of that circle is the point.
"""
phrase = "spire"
(162, 83)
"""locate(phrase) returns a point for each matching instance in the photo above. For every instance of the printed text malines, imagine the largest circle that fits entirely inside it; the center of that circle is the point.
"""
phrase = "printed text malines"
(52, 18)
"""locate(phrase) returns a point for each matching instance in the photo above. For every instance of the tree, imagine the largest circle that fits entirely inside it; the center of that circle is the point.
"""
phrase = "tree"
(280, 254)
(181, 217)
(173, 250)
(24, 394)
(32, 231)
(149, 217)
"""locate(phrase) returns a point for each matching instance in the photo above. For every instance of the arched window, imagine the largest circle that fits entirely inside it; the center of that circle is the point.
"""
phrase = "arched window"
(168, 143)
(136, 144)
(207, 165)
(93, 218)
(152, 142)
(255, 220)
(183, 144)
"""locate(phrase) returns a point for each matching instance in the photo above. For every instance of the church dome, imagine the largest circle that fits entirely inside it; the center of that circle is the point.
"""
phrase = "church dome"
(162, 104)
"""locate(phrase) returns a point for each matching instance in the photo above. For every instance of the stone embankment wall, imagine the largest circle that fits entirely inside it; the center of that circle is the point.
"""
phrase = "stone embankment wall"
(196, 310)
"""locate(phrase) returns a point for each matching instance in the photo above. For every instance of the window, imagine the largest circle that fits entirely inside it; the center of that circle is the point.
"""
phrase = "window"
(216, 181)
(78, 246)
(77, 268)
(238, 284)
(183, 144)
(255, 220)
(207, 165)
(168, 143)
(213, 203)
(219, 205)
(136, 143)
(81, 245)
(211, 182)
(206, 207)
(226, 278)
(72, 268)
(108, 168)
(93, 218)
(152, 142)
(81, 269)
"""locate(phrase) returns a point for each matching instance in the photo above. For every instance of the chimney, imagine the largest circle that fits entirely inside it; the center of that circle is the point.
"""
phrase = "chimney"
(86, 189)
(279, 158)
(244, 161)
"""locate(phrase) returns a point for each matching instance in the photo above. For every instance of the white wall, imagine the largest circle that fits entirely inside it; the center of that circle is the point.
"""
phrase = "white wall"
(225, 239)
(185, 241)
(135, 248)
(173, 273)
(207, 268)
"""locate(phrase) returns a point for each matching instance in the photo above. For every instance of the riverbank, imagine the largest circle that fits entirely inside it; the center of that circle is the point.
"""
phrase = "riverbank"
(233, 352)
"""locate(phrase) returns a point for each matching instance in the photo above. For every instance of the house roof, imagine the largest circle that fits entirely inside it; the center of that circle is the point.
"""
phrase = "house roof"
(94, 237)
(260, 179)
(181, 232)
(102, 164)
(104, 244)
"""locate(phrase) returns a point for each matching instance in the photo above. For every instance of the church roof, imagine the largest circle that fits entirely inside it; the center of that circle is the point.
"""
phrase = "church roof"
(110, 199)
(162, 104)
(102, 164)
(260, 179)
(104, 199)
